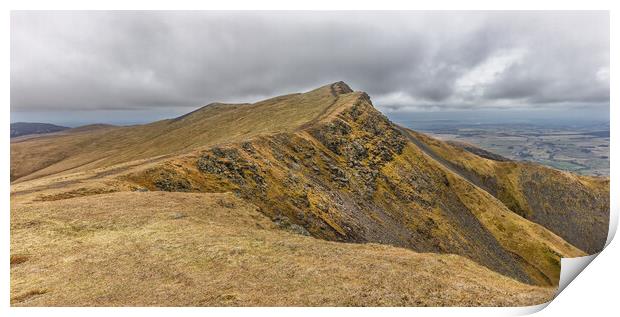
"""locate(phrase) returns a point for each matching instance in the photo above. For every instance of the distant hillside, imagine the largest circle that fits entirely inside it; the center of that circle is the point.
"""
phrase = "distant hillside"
(91, 127)
(574, 207)
(478, 151)
(26, 128)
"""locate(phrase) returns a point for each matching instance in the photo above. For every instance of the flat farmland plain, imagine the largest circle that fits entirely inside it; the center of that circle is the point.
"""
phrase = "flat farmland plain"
(583, 149)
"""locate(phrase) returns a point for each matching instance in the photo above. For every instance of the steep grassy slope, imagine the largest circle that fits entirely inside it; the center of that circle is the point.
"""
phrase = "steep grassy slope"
(572, 206)
(84, 149)
(181, 249)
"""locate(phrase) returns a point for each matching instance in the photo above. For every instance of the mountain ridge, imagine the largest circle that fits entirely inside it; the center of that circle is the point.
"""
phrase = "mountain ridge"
(125, 143)
(327, 164)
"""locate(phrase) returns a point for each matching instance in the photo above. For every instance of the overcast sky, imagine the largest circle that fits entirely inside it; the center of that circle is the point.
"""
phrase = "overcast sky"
(113, 65)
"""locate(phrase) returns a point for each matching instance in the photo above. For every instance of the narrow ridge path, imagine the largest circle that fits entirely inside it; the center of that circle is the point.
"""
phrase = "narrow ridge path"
(448, 165)
(428, 151)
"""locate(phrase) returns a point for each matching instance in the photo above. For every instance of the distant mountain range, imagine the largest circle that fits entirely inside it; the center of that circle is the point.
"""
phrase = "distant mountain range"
(26, 128)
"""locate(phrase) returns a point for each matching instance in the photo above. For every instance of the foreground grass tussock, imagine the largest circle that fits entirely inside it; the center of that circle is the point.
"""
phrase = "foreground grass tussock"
(183, 249)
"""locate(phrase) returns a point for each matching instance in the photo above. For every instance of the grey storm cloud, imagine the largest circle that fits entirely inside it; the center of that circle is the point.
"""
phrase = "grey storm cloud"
(404, 60)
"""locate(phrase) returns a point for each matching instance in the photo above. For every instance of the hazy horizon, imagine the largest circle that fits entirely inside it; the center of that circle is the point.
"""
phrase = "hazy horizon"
(81, 67)
(127, 117)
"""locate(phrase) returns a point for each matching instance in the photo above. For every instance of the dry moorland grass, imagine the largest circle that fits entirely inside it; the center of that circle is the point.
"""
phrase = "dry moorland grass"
(324, 163)
(187, 249)
(572, 206)
(410, 203)
(85, 149)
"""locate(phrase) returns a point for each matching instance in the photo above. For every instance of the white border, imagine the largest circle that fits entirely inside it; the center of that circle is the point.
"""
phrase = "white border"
(594, 292)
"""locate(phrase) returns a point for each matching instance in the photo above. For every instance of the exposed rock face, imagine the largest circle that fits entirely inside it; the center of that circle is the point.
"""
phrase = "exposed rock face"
(356, 178)
(229, 164)
(352, 175)
(340, 88)
(168, 181)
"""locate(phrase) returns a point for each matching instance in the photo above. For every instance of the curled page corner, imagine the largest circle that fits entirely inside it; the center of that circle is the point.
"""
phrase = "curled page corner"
(571, 267)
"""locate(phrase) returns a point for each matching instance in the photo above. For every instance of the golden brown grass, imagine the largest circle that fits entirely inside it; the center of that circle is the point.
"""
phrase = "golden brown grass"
(182, 249)
(572, 206)
(85, 149)
(82, 235)
(539, 251)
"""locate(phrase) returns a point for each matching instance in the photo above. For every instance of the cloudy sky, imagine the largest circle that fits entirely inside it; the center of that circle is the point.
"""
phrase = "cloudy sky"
(138, 66)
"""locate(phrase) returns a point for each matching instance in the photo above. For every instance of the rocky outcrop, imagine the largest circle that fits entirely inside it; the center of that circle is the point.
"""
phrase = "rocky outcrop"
(352, 175)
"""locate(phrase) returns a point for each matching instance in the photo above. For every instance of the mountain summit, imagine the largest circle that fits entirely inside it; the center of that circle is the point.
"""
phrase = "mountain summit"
(286, 178)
